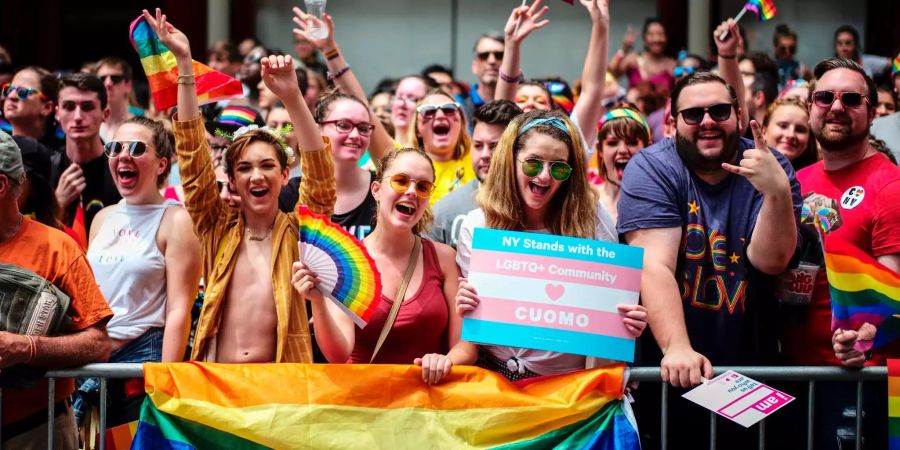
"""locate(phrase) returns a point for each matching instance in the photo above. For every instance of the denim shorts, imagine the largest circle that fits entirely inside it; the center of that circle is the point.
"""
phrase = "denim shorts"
(146, 348)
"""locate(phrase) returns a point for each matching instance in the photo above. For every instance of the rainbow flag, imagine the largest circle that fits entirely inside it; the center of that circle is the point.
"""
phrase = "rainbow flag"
(764, 9)
(894, 403)
(895, 68)
(120, 437)
(162, 72)
(862, 290)
(255, 406)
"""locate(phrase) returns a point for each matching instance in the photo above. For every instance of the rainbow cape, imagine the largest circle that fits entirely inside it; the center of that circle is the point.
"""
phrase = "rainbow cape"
(255, 406)
(894, 404)
(862, 290)
(764, 9)
(162, 71)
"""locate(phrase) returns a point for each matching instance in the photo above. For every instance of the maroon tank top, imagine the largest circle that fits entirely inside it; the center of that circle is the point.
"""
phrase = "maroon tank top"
(420, 326)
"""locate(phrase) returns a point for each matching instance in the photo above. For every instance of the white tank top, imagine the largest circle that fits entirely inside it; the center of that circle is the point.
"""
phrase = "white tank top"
(130, 269)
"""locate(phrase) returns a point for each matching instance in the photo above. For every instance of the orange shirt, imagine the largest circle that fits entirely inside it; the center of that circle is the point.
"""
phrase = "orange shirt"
(53, 255)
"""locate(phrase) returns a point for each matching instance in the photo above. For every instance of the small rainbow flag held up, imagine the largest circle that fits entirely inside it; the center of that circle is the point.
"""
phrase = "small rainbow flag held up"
(895, 70)
(378, 406)
(162, 72)
(347, 273)
(894, 404)
(764, 9)
(862, 290)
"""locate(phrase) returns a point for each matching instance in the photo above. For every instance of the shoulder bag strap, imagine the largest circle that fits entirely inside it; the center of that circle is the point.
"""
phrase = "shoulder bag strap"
(398, 298)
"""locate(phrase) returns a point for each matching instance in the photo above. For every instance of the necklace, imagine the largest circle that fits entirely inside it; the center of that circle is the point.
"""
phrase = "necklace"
(252, 238)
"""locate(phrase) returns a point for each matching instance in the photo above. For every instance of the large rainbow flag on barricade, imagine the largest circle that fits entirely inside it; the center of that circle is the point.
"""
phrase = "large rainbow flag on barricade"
(338, 406)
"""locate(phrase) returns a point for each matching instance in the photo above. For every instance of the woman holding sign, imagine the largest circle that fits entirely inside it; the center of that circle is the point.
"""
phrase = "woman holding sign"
(538, 184)
(421, 275)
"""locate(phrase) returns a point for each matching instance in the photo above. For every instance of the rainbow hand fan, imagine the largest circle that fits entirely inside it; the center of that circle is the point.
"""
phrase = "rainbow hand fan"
(347, 273)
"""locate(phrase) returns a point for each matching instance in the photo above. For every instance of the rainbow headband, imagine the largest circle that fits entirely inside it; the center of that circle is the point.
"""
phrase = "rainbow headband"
(625, 113)
(552, 121)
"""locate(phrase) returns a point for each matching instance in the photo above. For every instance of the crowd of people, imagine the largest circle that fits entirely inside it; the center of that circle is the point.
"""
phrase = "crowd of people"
(170, 235)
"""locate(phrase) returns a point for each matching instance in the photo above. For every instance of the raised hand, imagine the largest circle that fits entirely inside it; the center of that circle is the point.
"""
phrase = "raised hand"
(599, 10)
(301, 19)
(466, 298)
(170, 36)
(634, 318)
(629, 39)
(279, 76)
(729, 45)
(525, 19)
(434, 367)
(760, 167)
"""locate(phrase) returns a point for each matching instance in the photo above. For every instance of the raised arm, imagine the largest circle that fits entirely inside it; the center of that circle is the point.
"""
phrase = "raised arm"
(681, 365)
(728, 64)
(197, 175)
(624, 58)
(589, 108)
(522, 21)
(345, 80)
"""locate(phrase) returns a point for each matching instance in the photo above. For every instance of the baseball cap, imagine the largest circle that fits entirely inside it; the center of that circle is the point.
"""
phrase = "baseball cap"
(10, 158)
(233, 117)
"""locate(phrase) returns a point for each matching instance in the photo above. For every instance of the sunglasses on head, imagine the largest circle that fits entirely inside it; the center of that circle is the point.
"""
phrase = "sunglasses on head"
(21, 92)
(825, 99)
(116, 79)
(719, 113)
(135, 148)
(683, 71)
(401, 182)
(346, 127)
(429, 111)
(484, 55)
(559, 170)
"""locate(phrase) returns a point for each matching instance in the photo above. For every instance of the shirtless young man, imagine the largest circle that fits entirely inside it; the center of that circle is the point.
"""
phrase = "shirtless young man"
(251, 313)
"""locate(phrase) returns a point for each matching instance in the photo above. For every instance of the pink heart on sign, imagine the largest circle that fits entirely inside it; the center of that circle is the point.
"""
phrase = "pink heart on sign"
(554, 291)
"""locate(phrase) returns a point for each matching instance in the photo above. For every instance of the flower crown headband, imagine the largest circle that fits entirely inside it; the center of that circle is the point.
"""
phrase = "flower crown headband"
(278, 133)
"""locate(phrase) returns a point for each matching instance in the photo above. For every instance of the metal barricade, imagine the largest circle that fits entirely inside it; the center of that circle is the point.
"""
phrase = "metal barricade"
(810, 375)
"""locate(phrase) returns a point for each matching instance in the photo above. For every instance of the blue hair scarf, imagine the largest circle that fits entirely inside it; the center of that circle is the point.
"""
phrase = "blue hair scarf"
(552, 121)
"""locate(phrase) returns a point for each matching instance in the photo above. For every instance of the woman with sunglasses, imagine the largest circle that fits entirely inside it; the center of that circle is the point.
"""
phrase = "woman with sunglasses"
(535, 95)
(439, 128)
(538, 184)
(426, 330)
(652, 64)
(146, 265)
(623, 132)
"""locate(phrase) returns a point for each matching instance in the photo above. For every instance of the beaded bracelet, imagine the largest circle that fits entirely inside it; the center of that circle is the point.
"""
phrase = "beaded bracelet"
(505, 77)
(336, 75)
(32, 349)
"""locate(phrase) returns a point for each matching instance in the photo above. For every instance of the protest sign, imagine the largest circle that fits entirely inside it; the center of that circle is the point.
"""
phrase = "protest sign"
(739, 398)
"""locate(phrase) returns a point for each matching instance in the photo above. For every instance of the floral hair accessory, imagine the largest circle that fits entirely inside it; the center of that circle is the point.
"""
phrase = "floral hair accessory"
(278, 133)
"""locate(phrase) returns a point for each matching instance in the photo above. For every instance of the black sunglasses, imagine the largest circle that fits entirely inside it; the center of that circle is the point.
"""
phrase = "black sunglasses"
(484, 55)
(719, 113)
(116, 79)
(429, 111)
(135, 148)
(825, 99)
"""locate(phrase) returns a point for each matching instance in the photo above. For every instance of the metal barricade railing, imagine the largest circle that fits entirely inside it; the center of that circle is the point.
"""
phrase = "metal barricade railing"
(811, 375)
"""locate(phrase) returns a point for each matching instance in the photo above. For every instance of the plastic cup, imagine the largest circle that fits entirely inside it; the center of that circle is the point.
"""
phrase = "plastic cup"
(315, 25)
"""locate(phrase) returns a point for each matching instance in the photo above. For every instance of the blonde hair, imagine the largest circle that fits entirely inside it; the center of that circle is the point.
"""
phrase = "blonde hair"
(572, 210)
(425, 222)
(463, 141)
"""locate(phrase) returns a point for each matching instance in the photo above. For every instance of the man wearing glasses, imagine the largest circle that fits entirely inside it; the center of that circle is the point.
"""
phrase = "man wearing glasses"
(716, 215)
(865, 187)
(116, 75)
(486, 68)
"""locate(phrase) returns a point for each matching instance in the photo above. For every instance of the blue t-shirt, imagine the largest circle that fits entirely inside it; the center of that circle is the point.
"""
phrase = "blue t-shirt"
(729, 306)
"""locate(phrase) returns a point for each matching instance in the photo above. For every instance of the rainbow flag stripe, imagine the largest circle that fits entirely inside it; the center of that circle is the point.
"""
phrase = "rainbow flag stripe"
(895, 69)
(203, 405)
(862, 290)
(764, 9)
(894, 403)
(162, 71)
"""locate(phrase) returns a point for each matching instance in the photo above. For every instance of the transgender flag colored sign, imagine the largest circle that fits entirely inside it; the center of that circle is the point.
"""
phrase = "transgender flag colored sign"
(554, 293)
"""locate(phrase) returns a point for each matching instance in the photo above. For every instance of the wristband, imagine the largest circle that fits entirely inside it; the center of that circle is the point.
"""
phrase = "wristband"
(727, 56)
(336, 75)
(332, 54)
(505, 77)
